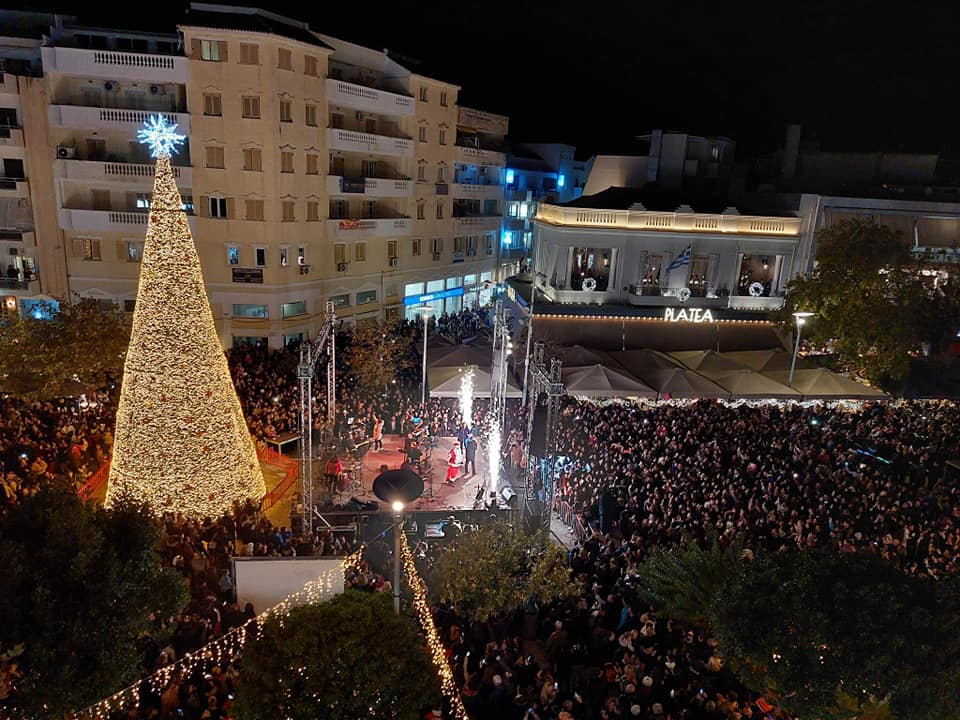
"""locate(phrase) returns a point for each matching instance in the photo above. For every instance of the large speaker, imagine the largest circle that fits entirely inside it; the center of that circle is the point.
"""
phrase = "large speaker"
(538, 438)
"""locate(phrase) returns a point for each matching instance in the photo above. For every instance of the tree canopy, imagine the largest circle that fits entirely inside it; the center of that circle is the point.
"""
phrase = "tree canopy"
(64, 353)
(348, 658)
(495, 569)
(870, 298)
(77, 586)
(377, 354)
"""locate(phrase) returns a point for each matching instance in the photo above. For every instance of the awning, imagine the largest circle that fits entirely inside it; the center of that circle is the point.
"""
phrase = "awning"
(822, 384)
(750, 385)
(765, 361)
(679, 383)
(459, 355)
(708, 362)
(601, 381)
(444, 382)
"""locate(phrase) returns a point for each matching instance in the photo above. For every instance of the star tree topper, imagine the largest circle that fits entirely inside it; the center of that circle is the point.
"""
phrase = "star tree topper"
(160, 136)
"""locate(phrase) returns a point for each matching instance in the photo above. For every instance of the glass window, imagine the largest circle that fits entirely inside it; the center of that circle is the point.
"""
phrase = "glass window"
(286, 111)
(251, 106)
(210, 50)
(261, 256)
(392, 249)
(218, 207)
(443, 137)
(284, 256)
(366, 297)
(134, 252)
(443, 99)
(339, 253)
(469, 280)
(434, 286)
(411, 289)
(310, 115)
(454, 282)
(293, 308)
(212, 104)
(423, 94)
(416, 247)
(233, 255)
(360, 252)
(423, 133)
(340, 300)
(245, 310)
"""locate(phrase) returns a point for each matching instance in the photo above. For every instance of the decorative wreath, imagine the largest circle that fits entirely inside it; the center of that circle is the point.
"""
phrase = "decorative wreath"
(589, 284)
(684, 294)
(756, 289)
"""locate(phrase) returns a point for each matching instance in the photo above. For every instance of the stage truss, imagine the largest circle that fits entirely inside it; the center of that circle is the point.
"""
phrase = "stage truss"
(539, 476)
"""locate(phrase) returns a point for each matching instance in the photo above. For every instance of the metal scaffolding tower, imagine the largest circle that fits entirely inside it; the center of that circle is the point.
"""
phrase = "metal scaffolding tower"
(322, 349)
(502, 347)
(546, 389)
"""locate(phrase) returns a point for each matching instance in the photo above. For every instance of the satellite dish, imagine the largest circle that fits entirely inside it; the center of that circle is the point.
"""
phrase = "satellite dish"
(403, 485)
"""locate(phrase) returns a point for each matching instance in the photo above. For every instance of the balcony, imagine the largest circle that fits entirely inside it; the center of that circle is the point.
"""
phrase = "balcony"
(94, 118)
(468, 191)
(483, 121)
(476, 156)
(112, 65)
(14, 187)
(354, 229)
(368, 187)
(361, 97)
(350, 141)
(480, 223)
(109, 221)
(119, 172)
(11, 136)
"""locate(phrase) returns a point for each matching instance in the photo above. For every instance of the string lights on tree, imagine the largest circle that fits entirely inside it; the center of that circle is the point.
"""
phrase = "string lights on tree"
(181, 442)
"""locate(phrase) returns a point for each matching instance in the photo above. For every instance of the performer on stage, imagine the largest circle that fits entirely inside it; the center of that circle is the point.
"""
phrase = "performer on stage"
(453, 464)
(470, 455)
(332, 472)
(377, 433)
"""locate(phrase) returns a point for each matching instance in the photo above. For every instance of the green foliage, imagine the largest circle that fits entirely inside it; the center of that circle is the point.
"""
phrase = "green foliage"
(77, 586)
(81, 347)
(800, 627)
(348, 658)
(684, 579)
(869, 299)
(376, 355)
(488, 573)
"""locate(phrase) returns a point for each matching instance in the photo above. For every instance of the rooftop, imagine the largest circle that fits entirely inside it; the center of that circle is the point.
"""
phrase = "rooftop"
(231, 17)
(657, 200)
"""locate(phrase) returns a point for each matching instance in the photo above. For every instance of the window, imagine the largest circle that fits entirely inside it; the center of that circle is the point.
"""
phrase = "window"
(251, 106)
(249, 54)
(293, 309)
(392, 249)
(129, 305)
(370, 126)
(441, 173)
(423, 133)
(336, 121)
(310, 65)
(368, 209)
(443, 99)
(244, 310)
(252, 159)
(488, 244)
(471, 245)
(459, 244)
(436, 246)
(360, 252)
(524, 210)
(443, 137)
(218, 207)
(284, 256)
(509, 177)
(212, 104)
(313, 211)
(310, 115)
(214, 156)
(254, 209)
(313, 164)
(416, 247)
(143, 201)
(370, 168)
(213, 50)
(420, 211)
(286, 111)
(339, 253)
(423, 94)
(301, 255)
(134, 251)
(439, 210)
(421, 173)
(187, 204)
(336, 165)
(289, 212)
(339, 209)
(284, 59)
(365, 297)
(233, 255)
(286, 161)
(101, 199)
(513, 209)
(261, 256)
(340, 300)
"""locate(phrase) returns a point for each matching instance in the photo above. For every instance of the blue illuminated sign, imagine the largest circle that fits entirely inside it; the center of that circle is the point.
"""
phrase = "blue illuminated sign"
(561, 181)
(430, 297)
(509, 177)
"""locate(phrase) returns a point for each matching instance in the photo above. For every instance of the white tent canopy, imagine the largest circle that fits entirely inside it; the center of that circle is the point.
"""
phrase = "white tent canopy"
(601, 381)
(444, 382)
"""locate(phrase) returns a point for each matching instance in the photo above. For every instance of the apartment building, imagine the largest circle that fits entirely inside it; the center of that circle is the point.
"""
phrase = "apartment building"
(315, 170)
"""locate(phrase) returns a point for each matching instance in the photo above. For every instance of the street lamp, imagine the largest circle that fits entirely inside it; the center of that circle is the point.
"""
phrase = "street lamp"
(425, 310)
(397, 529)
(800, 318)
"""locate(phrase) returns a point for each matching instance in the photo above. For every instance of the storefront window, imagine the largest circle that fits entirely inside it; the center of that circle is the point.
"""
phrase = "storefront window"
(590, 270)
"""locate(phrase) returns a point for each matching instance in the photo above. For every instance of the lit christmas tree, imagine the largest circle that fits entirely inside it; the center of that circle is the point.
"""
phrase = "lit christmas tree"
(181, 442)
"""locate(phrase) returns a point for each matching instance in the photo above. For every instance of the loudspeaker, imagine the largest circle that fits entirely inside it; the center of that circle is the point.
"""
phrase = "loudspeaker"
(538, 438)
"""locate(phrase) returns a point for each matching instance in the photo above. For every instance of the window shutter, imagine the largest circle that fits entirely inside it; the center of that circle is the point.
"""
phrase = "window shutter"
(195, 52)
(76, 248)
(121, 250)
(230, 210)
(223, 51)
(204, 206)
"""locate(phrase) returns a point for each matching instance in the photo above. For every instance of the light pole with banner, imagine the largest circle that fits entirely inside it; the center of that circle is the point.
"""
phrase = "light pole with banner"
(801, 318)
(425, 308)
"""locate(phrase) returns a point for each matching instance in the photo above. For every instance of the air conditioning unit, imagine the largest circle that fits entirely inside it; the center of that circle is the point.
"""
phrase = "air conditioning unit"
(436, 257)
(155, 89)
(341, 267)
(304, 269)
(394, 262)
(66, 153)
(110, 85)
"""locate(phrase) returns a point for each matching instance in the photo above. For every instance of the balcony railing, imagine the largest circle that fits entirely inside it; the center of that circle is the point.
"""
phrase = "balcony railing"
(87, 118)
(476, 223)
(360, 228)
(110, 65)
(131, 173)
(15, 187)
(476, 156)
(368, 187)
(361, 97)
(108, 220)
(11, 136)
(483, 121)
(471, 190)
(350, 141)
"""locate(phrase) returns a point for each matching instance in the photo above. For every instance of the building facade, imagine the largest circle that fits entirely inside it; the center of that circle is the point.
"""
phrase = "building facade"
(315, 170)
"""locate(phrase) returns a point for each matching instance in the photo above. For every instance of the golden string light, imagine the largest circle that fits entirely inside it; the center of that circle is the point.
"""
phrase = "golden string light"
(434, 646)
(181, 442)
(225, 648)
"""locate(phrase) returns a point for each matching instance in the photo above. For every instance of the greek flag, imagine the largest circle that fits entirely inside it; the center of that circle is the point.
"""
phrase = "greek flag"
(682, 259)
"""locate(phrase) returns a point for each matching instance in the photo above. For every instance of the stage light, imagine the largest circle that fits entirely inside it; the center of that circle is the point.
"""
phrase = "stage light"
(397, 506)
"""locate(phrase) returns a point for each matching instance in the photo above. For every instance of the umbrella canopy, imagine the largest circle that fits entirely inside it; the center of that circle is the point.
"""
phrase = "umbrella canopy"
(601, 381)
(445, 382)
(679, 383)
(822, 384)
(708, 362)
(580, 356)
(766, 360)
(749, 385)
(636, 361)
(458, 355)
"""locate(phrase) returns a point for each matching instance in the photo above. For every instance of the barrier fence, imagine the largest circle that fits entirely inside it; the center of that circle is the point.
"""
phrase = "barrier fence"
(291, 473)
(572, 519)
(95, 482)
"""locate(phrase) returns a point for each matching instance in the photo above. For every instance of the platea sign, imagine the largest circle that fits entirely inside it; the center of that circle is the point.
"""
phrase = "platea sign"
(694, 315)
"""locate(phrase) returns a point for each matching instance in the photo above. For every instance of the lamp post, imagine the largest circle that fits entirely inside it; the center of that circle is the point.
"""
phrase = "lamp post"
(397, 529)
(425, 310)
(800, 318)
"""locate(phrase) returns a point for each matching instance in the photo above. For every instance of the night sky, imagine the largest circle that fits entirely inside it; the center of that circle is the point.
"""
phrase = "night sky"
(857, 75)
